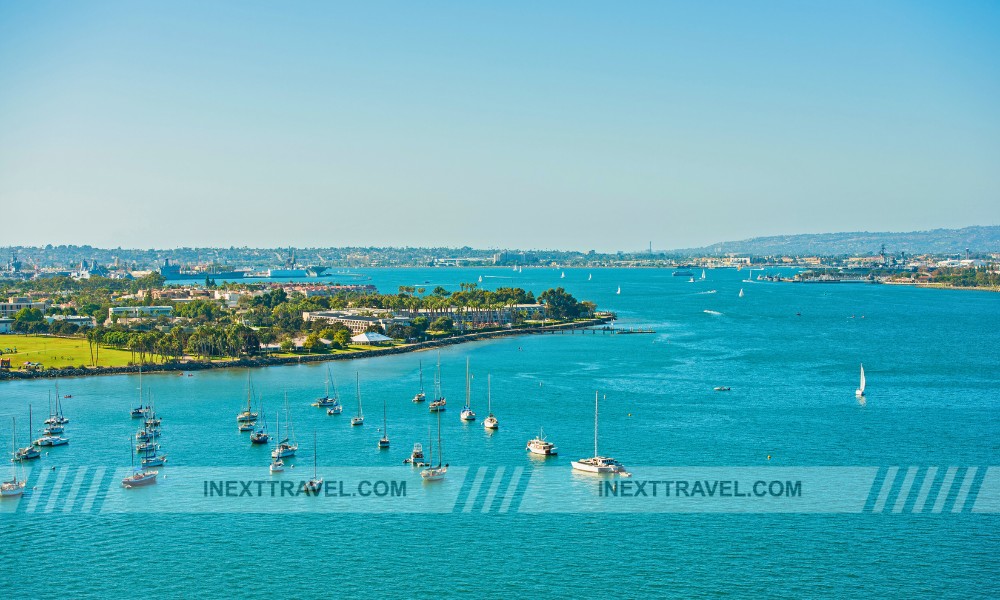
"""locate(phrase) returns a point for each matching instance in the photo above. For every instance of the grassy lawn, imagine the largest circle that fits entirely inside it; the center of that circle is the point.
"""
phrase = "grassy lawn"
(58, 352)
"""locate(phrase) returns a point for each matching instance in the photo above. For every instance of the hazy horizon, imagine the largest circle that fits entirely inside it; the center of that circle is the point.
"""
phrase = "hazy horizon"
(581, 126)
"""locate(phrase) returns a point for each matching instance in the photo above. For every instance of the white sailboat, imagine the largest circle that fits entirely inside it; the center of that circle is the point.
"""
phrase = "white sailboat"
(490, 422)
(860, 392)
(13, 487)
(57, 418)
(749, 278)
(741, 292)
(29, 452)
(618, 293)
(360, 418)
(439, 402)
(315, 484)
(467, 413)
(703, 273)
(598, 463)
(540, 445)
(420, 396)
(562, 275)
(247, 415)
(150, 458)
(383, 443)
(287, 446)
(277, 465)
(436, 473)
(590, 276)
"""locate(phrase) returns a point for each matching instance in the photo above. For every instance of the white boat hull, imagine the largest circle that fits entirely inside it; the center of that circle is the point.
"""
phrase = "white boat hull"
(436, 474)
(542, 451)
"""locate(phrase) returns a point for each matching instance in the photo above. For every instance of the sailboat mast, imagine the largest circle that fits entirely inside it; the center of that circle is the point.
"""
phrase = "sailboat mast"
(315, 452)
(489, 396)
(421, 376)
(595, 423)
(440, 449)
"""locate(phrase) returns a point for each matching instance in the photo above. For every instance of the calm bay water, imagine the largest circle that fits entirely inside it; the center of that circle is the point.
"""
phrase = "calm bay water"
(790, 353)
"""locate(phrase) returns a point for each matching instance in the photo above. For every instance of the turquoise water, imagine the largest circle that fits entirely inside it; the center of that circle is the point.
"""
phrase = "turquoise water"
(789, 352)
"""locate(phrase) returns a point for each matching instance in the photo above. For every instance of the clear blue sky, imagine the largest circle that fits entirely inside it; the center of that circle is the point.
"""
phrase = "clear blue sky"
(533, 125)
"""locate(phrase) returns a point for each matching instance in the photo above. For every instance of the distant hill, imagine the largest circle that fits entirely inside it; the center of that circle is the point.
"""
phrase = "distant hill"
(937, 241)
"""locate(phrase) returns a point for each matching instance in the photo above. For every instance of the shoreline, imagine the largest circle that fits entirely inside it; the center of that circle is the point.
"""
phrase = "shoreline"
(294, 360)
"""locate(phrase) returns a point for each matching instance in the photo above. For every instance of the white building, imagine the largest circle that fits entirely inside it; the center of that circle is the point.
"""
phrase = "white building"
(6, 325)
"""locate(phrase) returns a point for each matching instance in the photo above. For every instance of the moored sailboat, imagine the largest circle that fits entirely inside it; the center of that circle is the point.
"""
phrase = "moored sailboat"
(287, 446)
(29, 452)
(358, 419)
(247, 415)
(13, 487)
(315, 484)
(420, 396)
(383, 443)
(436, 473)
(439, 402)
(598, 463)
(490, 422)
(139, 477)
(467, 414)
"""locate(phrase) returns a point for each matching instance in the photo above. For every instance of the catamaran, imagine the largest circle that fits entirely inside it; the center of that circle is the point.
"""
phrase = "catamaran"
(860, 392)
(248, 415)
(490, 422)
(436, 473)
(598, 463)
(13, 487)
(287, 446)
(467, 413)
(540, 445)
(315, 484)
(439, 402)
(360, 418)
(421, 396)
(139, 477)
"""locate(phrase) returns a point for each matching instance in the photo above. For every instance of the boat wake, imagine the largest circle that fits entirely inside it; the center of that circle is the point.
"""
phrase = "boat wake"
(707, 292)
(712, 312)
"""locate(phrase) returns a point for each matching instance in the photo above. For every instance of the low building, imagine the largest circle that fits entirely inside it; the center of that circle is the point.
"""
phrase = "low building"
(16, 303)
(78, 320)
(126, 315)
(6, 325)
(357, 323)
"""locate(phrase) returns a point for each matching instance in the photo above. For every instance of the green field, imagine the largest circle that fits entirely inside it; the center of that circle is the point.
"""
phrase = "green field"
(57, 352)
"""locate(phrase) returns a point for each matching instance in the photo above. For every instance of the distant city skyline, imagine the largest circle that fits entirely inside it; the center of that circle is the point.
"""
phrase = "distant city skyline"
(516, 125)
